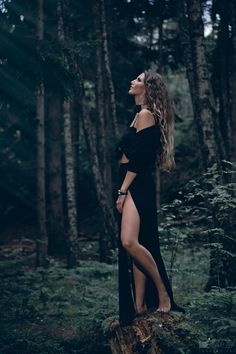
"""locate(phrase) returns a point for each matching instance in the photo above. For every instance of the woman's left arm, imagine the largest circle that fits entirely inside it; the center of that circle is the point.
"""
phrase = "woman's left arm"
(129, 177)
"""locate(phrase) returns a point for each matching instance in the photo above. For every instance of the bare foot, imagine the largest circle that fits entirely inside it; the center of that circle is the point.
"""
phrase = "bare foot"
(164, 304)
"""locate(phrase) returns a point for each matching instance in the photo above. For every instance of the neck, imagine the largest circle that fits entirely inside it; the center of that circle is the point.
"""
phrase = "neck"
(139, 101)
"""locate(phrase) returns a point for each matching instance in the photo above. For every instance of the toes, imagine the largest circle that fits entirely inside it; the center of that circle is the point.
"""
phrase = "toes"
(160, 310)
(163, 310)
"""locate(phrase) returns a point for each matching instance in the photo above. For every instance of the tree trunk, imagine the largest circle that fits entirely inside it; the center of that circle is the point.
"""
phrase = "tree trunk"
(107, 62)
(233, 81)
(135, 339)
(223, 45)
(100, 98)
(192, 39)
(72, 237)
(161, 6)
(42, 241)
(107, 127)
(106, 130)
(56, 216)
(72, 234)
(160, 62)
(76, 139)
(110, 228)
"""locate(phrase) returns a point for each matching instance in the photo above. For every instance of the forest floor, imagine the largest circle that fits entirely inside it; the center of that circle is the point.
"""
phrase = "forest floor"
(62, 311)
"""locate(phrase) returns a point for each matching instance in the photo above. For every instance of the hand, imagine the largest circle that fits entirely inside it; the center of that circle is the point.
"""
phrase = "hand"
(120, 203)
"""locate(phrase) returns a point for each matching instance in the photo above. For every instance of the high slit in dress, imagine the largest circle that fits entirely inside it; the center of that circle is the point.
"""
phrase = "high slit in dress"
(141, 149)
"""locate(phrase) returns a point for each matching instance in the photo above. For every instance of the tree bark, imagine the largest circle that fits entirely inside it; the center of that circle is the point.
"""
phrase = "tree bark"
(161, 6)
(192, 40)
(107, 62)
(160, 62)
(107, 129)
(223, 45)
(134, 339)
(233, 81)
(56, 214)
(42, 241)
(109, 233)
(100, 97)
(150, 334)
(72, 234)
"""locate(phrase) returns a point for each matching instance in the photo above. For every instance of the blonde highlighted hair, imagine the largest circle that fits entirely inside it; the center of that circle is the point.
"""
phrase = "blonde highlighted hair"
(158, 101)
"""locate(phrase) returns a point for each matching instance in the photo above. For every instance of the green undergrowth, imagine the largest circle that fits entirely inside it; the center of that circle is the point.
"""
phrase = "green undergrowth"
(59, 311)
(208, 327)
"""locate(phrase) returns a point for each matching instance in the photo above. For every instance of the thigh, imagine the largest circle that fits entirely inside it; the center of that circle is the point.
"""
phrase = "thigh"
(130, 222)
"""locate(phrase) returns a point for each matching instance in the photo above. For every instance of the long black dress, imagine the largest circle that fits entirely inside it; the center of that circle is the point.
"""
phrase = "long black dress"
(141, 149)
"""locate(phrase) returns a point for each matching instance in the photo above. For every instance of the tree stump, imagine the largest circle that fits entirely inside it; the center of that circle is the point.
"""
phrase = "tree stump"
(150, 334)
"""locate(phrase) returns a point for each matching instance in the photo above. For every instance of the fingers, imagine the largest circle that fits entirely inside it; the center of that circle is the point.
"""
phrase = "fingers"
(119, 207)
(119, 203)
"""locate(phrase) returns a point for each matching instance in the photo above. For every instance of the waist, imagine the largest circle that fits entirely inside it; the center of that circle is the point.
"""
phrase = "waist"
(148, 169)
(123, 164)
(144, 179)
(124, 159)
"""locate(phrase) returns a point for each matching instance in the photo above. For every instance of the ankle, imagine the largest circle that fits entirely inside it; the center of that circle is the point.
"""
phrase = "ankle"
(162, 292)
(164, 297)
(141, 307)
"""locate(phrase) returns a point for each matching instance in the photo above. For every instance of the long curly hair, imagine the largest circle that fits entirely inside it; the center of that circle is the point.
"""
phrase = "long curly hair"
(158, 101)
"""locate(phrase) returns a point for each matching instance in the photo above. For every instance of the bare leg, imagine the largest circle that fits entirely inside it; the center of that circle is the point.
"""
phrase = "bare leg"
(140, 281)
(130, 224)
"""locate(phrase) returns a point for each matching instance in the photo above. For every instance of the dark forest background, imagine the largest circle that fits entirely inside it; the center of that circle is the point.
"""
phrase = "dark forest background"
(65, 70)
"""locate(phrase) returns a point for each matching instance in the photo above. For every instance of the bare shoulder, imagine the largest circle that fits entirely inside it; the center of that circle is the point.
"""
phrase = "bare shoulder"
(145, 119)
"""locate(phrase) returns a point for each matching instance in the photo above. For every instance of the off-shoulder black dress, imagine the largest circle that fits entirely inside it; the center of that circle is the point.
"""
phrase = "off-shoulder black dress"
(141, 149)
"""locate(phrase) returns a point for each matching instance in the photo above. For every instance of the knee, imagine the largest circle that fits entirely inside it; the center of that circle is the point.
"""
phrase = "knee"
(128, 244)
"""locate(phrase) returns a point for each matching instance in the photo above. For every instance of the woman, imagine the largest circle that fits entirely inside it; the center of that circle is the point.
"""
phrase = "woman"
(143, 281)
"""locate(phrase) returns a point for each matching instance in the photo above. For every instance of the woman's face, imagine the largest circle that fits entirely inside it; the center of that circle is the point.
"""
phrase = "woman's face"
(137, 87)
